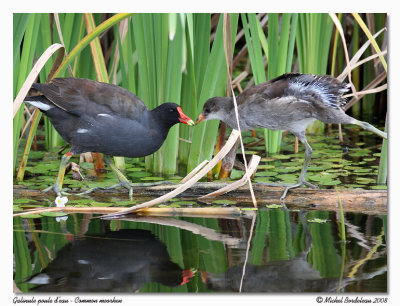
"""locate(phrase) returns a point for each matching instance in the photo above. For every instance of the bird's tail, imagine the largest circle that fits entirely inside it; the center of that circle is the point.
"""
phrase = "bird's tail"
(38, 101)
(319, 88)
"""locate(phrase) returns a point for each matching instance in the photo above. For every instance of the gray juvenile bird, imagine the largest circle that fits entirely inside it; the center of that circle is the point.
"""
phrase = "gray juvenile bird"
(289, 102)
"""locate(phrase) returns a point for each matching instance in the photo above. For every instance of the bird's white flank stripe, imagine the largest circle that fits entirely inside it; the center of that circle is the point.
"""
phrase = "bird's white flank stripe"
(40, 279)
(39, 105)
(104, 115)
(82, 131)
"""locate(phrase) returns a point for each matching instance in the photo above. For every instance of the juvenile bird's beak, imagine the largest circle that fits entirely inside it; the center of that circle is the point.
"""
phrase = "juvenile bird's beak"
(184, 119)
(200, 119)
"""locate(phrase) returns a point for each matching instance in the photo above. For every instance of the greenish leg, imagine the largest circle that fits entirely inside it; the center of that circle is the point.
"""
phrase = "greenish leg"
(302, 178)
(369, 127)
(123, 181)
(57, 187)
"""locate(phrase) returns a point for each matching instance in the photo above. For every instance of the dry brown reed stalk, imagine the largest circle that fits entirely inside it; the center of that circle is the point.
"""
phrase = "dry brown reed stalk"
(33, 75)
(255, 159)
(236, 109)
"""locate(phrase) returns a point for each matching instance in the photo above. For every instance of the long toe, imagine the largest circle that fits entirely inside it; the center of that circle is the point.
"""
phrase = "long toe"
(290, 187)
(125, 184)
(310, 185)
(57, 190)
(88, 191)
(297, 185)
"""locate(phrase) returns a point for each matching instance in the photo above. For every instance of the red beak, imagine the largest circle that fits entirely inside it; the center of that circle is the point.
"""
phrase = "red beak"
(183, 118)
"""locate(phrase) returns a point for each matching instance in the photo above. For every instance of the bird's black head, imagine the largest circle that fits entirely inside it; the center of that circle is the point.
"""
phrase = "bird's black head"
(169, 114)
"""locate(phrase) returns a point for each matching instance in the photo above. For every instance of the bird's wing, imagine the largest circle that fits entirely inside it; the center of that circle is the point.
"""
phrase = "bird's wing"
(322, 90)
(79, 96)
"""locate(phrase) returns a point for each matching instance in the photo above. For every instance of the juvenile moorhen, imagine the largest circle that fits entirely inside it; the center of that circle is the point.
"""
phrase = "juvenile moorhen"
(106, 118)
(289, 102)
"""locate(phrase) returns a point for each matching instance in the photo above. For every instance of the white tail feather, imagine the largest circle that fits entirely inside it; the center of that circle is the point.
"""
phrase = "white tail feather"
(40, 105)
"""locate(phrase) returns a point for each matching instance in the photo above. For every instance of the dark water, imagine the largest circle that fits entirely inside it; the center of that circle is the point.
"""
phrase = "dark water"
(272, 250)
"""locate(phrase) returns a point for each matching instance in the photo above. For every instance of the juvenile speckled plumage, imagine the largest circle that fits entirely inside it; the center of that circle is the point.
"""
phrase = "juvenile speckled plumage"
(289, 102)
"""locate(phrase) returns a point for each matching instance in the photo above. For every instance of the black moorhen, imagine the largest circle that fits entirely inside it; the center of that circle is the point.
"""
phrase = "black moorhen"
(106, 118)
(289, 102)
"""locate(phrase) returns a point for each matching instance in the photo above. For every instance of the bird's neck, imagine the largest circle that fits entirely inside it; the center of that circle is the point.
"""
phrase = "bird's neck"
(157, 120)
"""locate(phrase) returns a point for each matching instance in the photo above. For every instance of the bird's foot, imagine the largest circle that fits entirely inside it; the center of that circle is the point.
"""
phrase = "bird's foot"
(57, 190)
(298, 184)
(125, 184)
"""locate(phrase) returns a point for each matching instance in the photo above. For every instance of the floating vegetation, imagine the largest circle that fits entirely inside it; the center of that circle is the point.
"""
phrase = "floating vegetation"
(223, 202)
(266, 173)
(53, 214)
(152, 178)
(384, 187)
(332, 165)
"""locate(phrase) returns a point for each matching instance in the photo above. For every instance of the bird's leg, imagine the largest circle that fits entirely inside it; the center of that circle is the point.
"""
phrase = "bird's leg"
(57, 187)
(302, 178)
(123, 181)
(369, 127)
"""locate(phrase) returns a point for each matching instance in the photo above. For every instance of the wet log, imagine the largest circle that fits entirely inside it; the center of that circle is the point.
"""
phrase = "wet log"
(353, 200)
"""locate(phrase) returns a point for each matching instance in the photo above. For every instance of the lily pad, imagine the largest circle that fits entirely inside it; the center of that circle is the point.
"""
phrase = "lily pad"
(53, 214)
(263, 179)
(365, 180)
(249, 152)
(184, 203)
(362, 170)
(288, 169)
(224, 202)
(379, 187)
(152, 178)
(355, 186)
(266, 167)
(330, 182)
(73, 183)
(323, 176)
(268, 159)
(281, 156)
(358, 154)
(135, 169)
(176, 205)
(286, 176)
(265, 173)
(249, 208)
(139, 174)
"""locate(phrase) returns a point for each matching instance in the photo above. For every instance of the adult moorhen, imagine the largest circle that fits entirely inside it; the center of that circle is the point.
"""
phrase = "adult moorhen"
(106, 118)
(289, 102)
